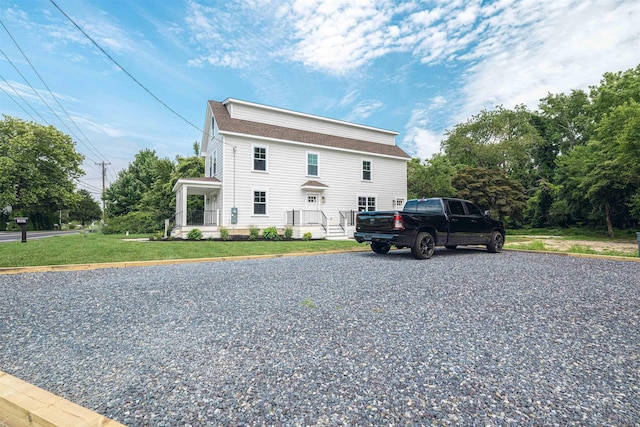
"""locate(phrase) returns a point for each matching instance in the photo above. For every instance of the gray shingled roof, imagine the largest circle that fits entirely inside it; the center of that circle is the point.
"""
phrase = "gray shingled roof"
(229, 124)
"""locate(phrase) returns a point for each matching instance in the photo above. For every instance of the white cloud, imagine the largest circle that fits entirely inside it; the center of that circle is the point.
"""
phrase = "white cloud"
(364, 109)
(564, 46)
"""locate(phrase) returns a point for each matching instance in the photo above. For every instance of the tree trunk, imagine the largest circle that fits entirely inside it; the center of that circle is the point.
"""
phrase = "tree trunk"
(607, 214)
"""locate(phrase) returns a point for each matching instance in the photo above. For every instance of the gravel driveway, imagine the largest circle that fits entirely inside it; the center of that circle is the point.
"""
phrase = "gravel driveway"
(465, 338)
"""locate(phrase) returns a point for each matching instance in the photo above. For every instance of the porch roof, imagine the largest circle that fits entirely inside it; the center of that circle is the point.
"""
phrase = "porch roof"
(198, 186)
(314, 185)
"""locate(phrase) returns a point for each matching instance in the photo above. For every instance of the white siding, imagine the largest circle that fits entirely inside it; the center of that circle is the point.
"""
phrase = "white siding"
(287, 172)
(295, 120)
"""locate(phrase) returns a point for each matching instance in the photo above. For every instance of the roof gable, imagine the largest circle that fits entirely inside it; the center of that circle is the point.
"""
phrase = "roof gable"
(228, 124)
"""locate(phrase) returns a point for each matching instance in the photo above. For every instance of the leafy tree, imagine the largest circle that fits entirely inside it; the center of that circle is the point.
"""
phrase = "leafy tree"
(492, 189)
(502, 138)
(126, 193)
(38, 165)
(86, 208)
(566, 121)
(431, 178)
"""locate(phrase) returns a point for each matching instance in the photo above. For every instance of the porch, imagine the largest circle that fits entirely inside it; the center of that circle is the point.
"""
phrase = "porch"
(300, 221)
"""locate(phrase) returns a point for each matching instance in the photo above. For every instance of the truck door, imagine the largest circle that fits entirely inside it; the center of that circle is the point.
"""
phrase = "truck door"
(480, 226)
(458, 223)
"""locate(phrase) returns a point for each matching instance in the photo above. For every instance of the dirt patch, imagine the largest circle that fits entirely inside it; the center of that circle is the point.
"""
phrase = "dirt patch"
(556, 243)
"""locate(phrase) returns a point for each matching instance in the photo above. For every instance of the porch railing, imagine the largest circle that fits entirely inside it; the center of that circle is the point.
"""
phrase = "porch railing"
(305, 217)
(347, 218)
(199, 217)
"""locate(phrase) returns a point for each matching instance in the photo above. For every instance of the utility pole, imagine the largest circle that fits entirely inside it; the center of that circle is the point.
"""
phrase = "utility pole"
(104, 202)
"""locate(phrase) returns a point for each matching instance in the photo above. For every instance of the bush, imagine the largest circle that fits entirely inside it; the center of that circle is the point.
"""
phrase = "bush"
(254, 232)
(224, 233)
(288, 233)
(307, 236)
(134, 223)
(270, 233)
(194, 234)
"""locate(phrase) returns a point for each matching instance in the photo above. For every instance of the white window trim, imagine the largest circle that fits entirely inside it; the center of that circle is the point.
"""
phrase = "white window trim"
(307, 163)
(362, 170)
(266, 202)
(214, 161)
(375, 196)
(253, 149)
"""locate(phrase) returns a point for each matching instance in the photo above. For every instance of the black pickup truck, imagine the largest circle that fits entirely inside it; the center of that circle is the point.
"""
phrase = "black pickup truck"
(424, 224)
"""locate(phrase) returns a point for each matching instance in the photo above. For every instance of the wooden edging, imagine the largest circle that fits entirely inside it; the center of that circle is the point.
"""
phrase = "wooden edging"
(125, 264)
(23, 404)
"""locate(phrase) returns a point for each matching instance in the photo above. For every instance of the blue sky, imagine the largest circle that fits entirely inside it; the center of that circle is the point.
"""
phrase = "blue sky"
(415, 67)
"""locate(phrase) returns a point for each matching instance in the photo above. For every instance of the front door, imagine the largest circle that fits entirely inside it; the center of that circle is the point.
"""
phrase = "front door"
(313, 208)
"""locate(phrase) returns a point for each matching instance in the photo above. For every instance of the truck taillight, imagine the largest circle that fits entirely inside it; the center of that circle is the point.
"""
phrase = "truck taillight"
(398, 224)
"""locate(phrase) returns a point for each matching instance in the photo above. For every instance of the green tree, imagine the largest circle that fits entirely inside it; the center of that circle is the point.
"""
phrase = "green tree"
(86, 208)
(431, 178)
(492, 189)
(502, 138)
(39, 166)
(126, 193)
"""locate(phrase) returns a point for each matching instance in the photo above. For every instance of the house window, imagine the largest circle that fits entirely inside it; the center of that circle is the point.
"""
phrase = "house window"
(366, 170)
(259, 202)
(259, 158)
(210, 166)
(312, 164)
(215, 163)
(366, 204)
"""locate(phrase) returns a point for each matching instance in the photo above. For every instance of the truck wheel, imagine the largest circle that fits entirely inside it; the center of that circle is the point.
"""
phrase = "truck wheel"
(496, 242)
(424, 246)
(380, 247)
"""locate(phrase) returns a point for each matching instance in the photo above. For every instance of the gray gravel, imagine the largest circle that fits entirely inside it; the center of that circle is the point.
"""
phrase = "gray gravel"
(465, 338)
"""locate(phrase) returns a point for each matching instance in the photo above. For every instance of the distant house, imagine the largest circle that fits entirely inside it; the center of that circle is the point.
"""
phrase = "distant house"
(266, 166)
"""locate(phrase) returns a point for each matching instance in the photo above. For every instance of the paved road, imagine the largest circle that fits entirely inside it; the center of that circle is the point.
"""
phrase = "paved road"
(16, 236)
(465, 338)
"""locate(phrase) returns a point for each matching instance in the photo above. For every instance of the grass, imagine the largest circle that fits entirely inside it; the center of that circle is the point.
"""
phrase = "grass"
(100, 248)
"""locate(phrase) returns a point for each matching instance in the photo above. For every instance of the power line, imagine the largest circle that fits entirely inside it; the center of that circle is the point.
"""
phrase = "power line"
(123, 69)
(18, 104)
(90, 146)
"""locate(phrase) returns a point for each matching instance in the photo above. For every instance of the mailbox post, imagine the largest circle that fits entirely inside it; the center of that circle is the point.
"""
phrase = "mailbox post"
(22, 222)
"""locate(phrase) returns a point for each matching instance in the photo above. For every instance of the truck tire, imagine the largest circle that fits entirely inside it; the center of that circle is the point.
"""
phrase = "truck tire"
(380, 247)
(424, 246)
(496, 242)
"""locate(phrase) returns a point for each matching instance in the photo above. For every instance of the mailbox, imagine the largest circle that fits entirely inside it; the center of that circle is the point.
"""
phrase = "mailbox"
(22, 222)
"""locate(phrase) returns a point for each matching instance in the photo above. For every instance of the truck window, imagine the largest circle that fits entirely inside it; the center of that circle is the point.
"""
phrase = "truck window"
(473, 209)
(456, 208)
(410, 206)
(430, 206)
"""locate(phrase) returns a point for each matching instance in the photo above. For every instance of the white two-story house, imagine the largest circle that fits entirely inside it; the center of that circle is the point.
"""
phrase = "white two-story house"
(266, 166)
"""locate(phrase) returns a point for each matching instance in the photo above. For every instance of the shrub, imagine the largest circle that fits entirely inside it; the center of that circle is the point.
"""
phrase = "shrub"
(134, 223)
(307, 236)
(254, 232)
(288, 233)
(224, 233)
(270, 233)
(194, 234)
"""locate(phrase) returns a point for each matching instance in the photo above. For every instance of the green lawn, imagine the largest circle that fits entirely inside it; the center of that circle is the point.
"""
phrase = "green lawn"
(98, 248)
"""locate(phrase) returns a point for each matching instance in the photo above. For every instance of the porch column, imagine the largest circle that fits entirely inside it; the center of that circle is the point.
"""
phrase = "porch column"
(183, 202)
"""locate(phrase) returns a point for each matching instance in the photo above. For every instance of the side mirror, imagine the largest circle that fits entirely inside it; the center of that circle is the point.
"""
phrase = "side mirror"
(487, 213)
